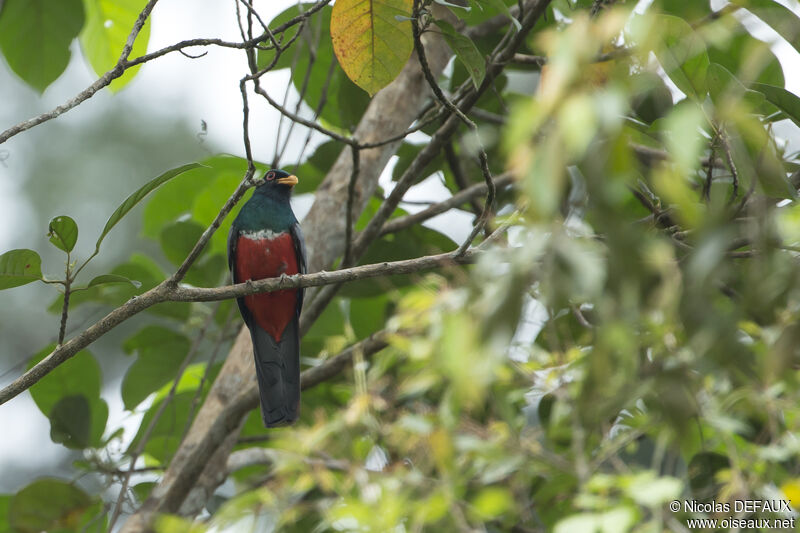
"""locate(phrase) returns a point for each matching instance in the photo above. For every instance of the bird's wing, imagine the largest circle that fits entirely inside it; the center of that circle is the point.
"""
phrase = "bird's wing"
(300, 250)
(233, 239)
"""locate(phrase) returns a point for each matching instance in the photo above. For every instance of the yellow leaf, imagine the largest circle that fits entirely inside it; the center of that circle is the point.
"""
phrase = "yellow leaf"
(372, 40)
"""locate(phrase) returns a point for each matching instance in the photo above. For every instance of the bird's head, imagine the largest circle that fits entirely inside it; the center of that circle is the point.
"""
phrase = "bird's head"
(277, 183)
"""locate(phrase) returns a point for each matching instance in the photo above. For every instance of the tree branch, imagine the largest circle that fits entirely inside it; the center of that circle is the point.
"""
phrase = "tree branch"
(166, 292)
(87, 93)
(124, 64)
(479, 189)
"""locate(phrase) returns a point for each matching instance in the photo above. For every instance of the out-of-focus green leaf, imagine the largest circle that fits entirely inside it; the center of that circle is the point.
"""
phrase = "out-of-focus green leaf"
(311, 173)
(70, 421)
(368, 315)
(108, 25)
(465, 51)
(703, 470)
(784, 100)
(47, 505)
(105, 279)
(406, 154)
(147, 275)
(35, 36)
(78, 376)
(412, 242)
(166, 435)
(160, 352)
(5, 502)
(492, 502)
(372, 40)
(747, 57)
(19, 267)
(131, 201)
(689, 10)
(178, 239)
(683, 56)
(652, 97)
(330, 326)
(63, 233)
(142, 490)
(501, 7)
(782, 19)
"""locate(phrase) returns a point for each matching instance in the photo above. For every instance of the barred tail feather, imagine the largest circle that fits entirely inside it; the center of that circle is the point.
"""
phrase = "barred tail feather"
(278, 373)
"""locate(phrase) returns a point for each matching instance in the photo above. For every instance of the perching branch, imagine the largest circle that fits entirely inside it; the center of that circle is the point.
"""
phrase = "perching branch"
(168, 292)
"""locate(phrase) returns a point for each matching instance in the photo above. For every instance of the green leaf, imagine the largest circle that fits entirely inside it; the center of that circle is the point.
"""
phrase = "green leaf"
(498, 5)
(178, 239)
(139, 267)
(784, 100)
(166, 434)
(142, 490)
(46, 505)
(747, 57)
(311, 173)
(105, 279)
(63, 233)
(131, 201)
(5, 502)
(70, 422)
(35, 36)
(492, 502)
(78, 376)
(371, 44)
(368, 315)
(108, 25)
(412, 242)
(722, 84)
(684, 55)
(160, 353)
(19, 267)
(200, 192)
(465, 51)
(782, 19)
(329, 324)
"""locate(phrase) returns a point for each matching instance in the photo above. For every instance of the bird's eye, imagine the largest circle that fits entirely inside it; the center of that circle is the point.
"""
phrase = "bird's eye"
(270, 176)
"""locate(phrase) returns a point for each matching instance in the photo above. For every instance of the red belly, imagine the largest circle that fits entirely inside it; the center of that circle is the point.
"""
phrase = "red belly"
(268, 258)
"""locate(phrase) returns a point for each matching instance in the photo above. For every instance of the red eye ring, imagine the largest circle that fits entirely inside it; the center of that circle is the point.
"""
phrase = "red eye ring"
(270, 176)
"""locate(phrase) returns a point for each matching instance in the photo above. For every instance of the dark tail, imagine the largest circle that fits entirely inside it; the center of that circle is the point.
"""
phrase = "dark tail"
(278, 373)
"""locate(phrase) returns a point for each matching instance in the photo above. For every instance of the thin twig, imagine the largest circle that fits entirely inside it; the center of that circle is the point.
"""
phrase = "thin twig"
(729, 158)
(479, 189)
(351, 192)
(124, 64)
(437, 91)
(65, 305)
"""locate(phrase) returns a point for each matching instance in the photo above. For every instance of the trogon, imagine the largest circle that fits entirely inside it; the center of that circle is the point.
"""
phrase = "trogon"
(265, 242)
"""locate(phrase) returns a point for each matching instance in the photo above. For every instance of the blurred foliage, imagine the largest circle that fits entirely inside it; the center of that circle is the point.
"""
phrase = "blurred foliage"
(634, 342)
(35, 36)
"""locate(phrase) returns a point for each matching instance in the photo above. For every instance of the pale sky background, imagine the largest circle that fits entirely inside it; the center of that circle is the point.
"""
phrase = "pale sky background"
(192, 90)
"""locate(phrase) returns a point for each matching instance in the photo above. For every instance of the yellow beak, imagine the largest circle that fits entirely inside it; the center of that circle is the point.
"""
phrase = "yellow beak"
(291, 181)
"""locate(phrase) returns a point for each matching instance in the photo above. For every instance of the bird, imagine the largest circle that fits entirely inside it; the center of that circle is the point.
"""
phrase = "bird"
(265, 241)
